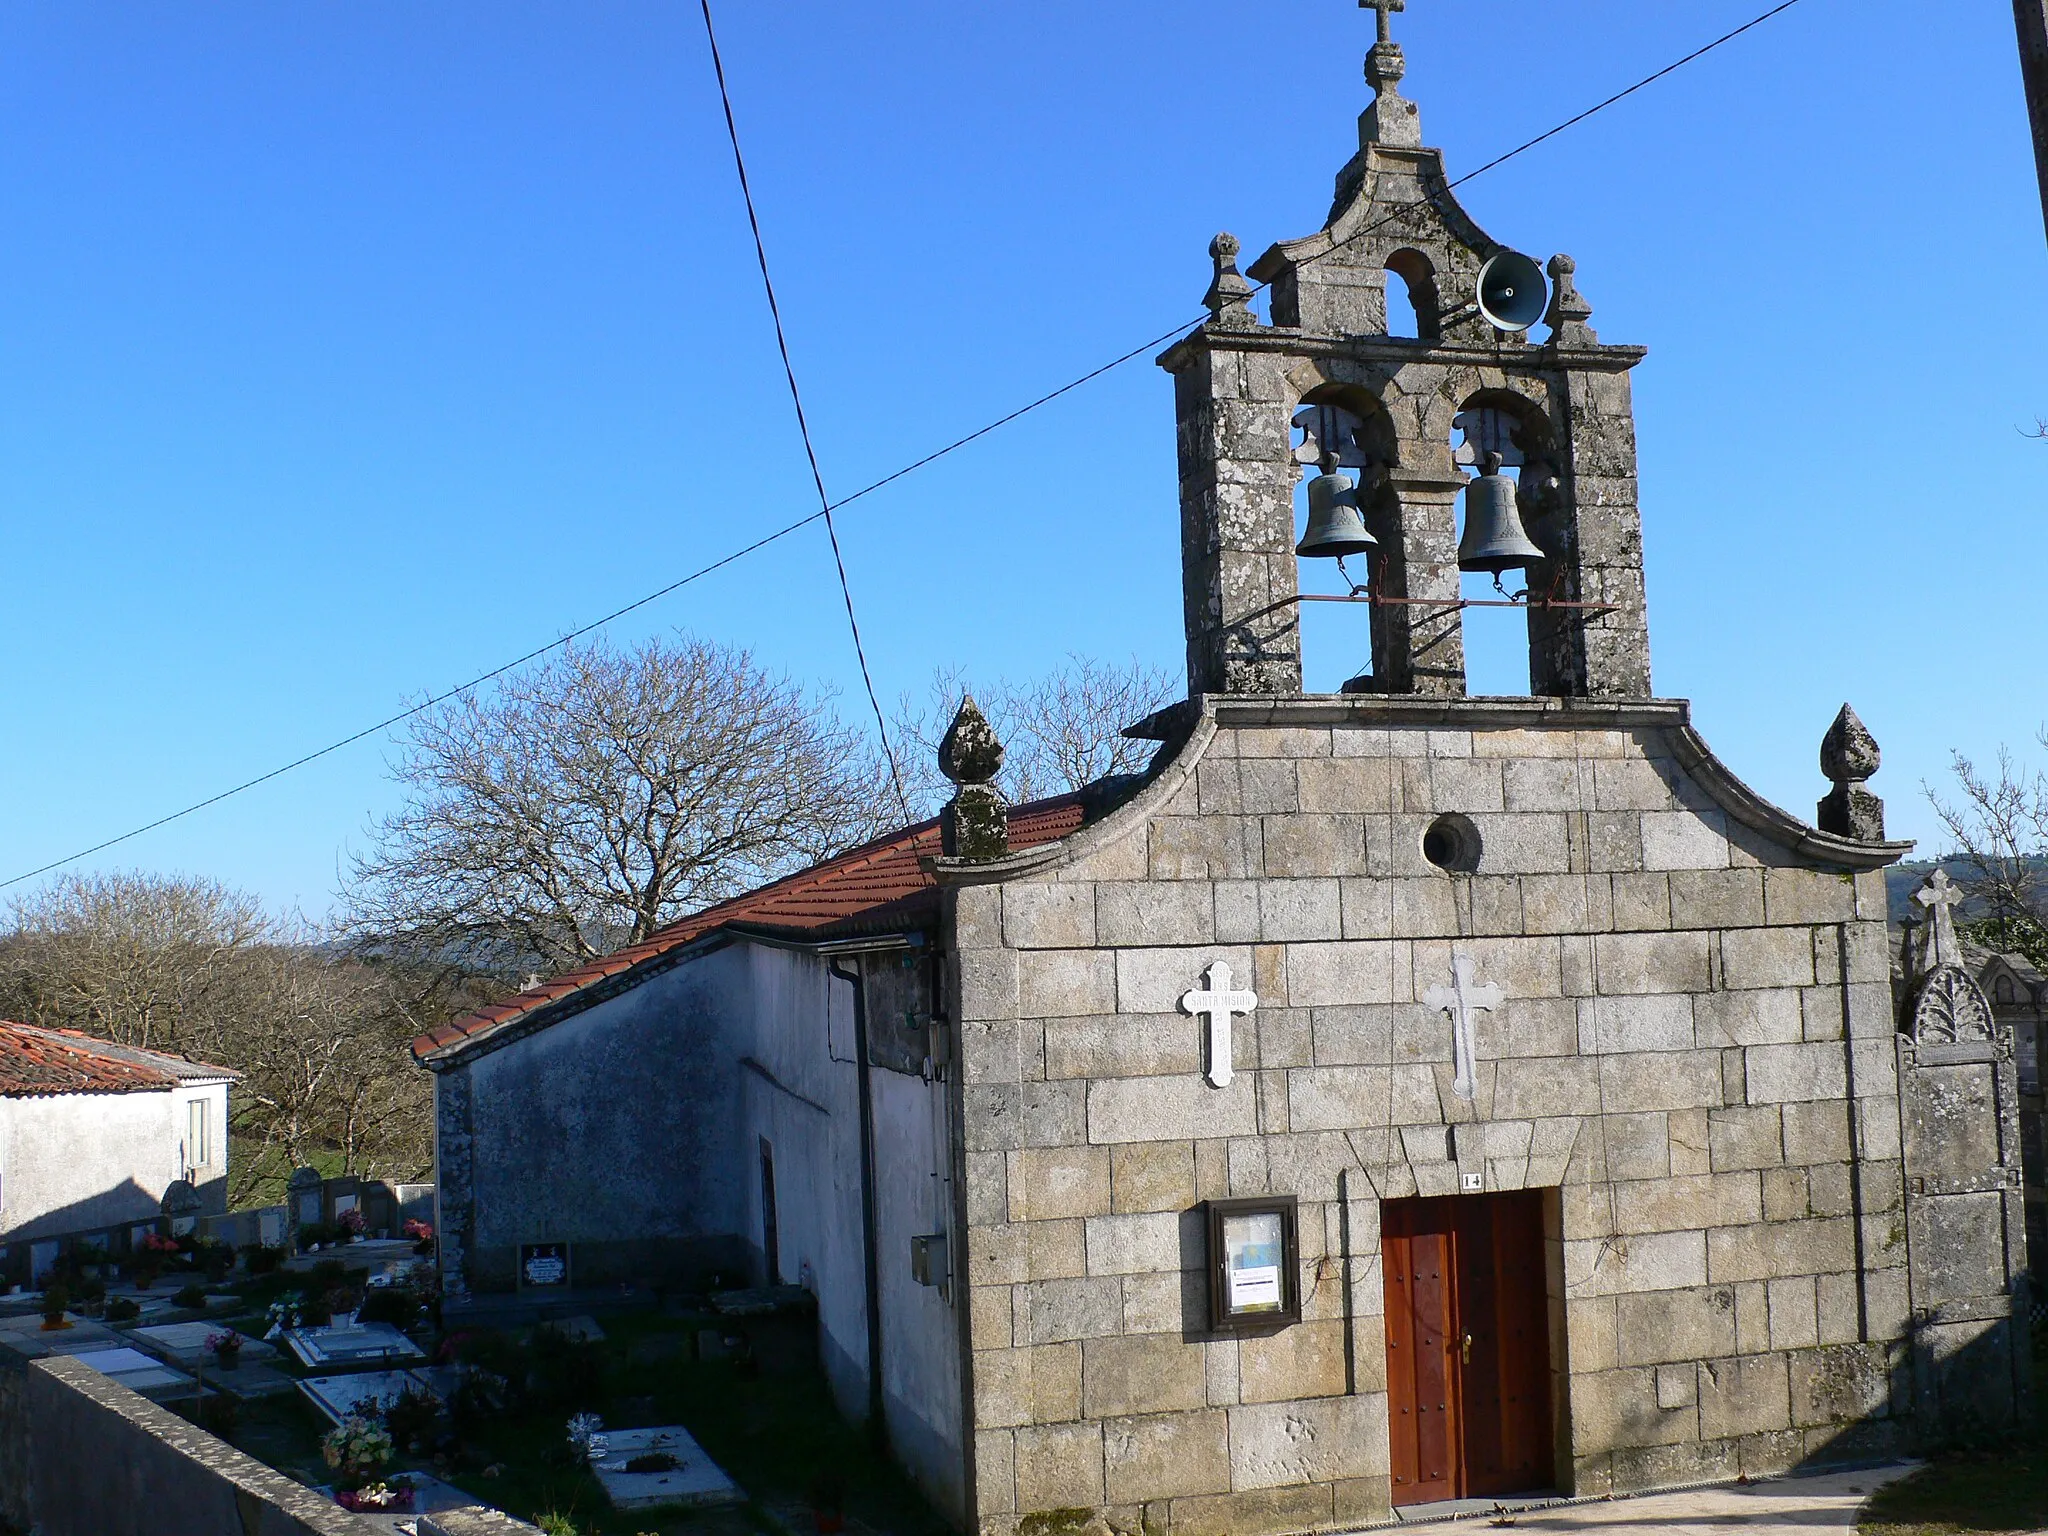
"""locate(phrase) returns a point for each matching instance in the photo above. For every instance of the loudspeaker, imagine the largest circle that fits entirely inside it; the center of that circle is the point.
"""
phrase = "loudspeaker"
(1512, 292)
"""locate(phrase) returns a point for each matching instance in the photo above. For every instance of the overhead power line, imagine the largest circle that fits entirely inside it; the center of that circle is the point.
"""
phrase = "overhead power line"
(823, 514)
(796, 399)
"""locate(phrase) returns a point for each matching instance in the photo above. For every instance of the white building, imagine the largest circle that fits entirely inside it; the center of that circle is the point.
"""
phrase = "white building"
(92, 1134)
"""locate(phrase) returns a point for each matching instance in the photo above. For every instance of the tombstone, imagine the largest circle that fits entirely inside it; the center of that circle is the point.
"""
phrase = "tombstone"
(305, 1203)
(181, 1206)
(134, 1370)
(1965, 1206)
(270, 1226)
(361, 1392)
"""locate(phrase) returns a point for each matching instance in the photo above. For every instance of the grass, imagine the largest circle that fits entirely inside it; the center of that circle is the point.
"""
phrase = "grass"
(1964, 1495)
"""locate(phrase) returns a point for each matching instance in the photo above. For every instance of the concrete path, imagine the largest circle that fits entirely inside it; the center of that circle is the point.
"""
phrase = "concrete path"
(1791, 1506)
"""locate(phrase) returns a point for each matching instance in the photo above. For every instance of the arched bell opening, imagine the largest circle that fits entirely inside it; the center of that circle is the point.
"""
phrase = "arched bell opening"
(1508, 531)
(1414, 310)
(1345, 516)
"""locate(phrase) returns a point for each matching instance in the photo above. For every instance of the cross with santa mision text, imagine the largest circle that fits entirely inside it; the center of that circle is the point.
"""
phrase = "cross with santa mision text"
(1218, 1004)
(1385, 8)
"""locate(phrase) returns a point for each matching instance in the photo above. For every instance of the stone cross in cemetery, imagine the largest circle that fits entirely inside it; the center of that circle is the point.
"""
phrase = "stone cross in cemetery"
(1939, 896)
(1385, 8)
(1464, 997)
(1219, 1004)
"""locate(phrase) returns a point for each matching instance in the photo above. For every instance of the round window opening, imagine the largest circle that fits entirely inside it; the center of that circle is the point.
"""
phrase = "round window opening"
(1452, 843)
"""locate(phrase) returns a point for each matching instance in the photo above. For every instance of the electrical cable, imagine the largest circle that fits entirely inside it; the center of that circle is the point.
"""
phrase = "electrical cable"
(796, 399)
(824, 513)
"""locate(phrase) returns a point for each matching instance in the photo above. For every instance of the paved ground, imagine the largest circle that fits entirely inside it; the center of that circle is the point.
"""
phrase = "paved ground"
(1792, 1506)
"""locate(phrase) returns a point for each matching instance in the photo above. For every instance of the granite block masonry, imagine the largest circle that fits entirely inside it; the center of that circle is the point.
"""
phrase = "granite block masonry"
(1389, 1095)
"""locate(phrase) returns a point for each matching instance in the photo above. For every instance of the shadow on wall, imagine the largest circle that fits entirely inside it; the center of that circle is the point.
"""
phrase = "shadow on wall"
(109, 1219)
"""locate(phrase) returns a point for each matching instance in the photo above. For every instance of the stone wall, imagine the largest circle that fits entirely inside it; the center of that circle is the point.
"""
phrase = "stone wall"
(81, 1456)
(1695, 1050)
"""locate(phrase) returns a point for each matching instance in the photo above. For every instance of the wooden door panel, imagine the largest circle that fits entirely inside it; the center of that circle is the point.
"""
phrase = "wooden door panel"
(1468, 1346)
(1418, 1262)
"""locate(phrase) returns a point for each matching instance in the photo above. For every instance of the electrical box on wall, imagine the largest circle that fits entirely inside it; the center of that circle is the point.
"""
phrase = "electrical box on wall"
(929, 1263)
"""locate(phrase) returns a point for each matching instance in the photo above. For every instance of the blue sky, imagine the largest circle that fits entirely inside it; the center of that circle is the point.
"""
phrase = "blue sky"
(349, 350)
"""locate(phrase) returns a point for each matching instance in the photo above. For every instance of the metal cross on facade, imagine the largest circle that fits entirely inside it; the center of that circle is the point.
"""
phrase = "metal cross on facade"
(1385, 8)
(1461, 999)
(1219, 1004)
(1938, 896)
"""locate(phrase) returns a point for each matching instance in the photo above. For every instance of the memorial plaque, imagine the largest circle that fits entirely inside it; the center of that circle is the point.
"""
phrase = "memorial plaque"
(544, 1266)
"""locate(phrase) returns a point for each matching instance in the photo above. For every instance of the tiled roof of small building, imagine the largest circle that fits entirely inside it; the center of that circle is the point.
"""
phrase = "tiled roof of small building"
(878, 886)
(35, 1062)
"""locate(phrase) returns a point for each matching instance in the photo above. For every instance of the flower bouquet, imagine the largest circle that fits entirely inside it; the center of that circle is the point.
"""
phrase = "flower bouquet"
(227, 1348)
(152, 1256)
(352, 1224)
(394, 1497)
(422, 1235)
(587, 1441)
(357, 1448)
(288, 1311)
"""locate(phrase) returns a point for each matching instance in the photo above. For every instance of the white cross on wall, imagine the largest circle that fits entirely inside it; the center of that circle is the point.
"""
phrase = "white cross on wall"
(1461, 999)
(1219, 1004)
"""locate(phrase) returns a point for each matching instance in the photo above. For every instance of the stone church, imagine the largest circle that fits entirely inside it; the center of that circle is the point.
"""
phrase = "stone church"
(1390, 1097)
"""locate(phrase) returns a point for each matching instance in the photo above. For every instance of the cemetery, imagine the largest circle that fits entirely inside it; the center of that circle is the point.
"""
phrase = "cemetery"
(665, 1412)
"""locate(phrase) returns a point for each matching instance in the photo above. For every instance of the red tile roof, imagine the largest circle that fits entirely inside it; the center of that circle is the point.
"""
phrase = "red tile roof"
(36, 1062)
(868, 889)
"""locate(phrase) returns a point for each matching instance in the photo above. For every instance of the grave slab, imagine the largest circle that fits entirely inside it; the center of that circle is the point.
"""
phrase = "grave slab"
(359, 1344)
(133, 1369)
(251, 1379)
(185, 1344)
(431, 1496)
(583, 1328)
(358, 1392)
(697, 1482)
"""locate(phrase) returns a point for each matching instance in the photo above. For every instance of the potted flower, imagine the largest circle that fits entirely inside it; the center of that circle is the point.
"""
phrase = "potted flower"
(227, 1348)
(828, 1503)
(352, 1224)
(357, 1449)
(152, 1256)
(55, 1300)
(421, 1233)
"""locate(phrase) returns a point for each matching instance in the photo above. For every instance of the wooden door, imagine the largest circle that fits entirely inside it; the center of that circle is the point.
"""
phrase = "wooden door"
(1468, 1346)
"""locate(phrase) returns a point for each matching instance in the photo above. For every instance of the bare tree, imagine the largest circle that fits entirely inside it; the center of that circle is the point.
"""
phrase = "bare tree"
(322, 1049)
(592, 799)
(1999, 825)
(193, 967)
(1060, 732)
(129, 957)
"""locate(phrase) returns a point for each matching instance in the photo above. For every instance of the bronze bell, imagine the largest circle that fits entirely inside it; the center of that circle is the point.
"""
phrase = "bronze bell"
(1494, 540)
(1336, 526)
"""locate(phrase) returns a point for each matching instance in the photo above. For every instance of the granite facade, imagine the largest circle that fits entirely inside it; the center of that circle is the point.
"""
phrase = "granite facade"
(1695, 1052)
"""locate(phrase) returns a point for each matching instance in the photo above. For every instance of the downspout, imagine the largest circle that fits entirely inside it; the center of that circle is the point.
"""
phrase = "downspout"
(877, 1425)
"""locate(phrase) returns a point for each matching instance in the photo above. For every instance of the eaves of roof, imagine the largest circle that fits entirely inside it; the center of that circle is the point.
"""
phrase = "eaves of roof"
(880, 887)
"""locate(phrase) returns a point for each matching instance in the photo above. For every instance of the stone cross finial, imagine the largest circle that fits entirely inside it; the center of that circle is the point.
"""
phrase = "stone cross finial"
(1849, 757)
(1390, 120)
(1569, 310)
(1386, 8)
(1218, 1004)
(1939, 896)
(1229, 297)
(976, 823)
(1461, 999)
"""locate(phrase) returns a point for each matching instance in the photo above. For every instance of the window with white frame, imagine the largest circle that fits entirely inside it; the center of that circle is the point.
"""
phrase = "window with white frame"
(196, 1149)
